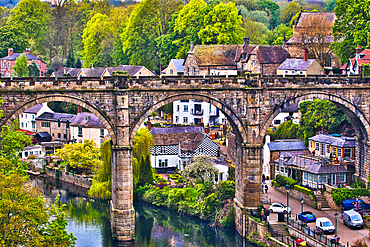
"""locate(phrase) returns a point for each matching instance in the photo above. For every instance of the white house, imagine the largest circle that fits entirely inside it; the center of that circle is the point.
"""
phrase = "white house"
(87, 126)
(289, 113)
(27, 118)
(353, 66)
(195, 112)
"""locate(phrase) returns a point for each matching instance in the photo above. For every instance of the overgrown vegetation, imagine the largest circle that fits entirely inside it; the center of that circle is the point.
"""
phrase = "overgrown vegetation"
(287, 130)
(340, 194)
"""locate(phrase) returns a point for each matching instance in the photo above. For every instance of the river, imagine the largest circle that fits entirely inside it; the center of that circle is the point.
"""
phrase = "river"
(89, 221)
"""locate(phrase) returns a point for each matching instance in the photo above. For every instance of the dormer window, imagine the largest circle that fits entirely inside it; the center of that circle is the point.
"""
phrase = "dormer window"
(86, 118)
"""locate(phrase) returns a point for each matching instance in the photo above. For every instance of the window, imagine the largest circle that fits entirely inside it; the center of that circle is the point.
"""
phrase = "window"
(33, 116)
(45, 124)
(293, 72)
(347, 152)
(185, 119)
(163, 163)
(188, 70)
(277, 121)
(277, 168)
(79, 131)
(101, 132)
(254, 63)
(286, 72)
(335, 151)
(178, 107)
(339, 152)
(194, 71)
(22, 115)
(311, 144)
(286, 169)
(42, 73)
(26, 125)
(322, 150)
(59, 135)
(86, 118)
(58, 124)
(314, 177)
(301, 72)
(22, 124)
(341, 177)
(64, 136)
(317, 146)
(304, 175)
(163, 149)
(186, 108)
(33, 125)
(171, 71)
(328, 149)
(309, 177)
(176, 119)
(322, 179)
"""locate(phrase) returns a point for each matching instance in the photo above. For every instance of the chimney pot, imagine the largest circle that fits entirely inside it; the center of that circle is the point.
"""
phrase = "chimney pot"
(358, 49)
(28, 50)
(10, 51)
(245, 42)
(305, 55)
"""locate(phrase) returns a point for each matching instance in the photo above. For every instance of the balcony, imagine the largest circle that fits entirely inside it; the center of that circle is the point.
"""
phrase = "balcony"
(196, 112)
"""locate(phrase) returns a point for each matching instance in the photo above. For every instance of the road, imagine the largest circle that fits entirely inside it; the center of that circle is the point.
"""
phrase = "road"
(346, 234)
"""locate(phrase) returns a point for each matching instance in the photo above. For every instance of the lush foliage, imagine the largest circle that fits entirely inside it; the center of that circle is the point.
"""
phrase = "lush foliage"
(20, 67)
(13, 37)
(200, 170)
(80, 155)
(303, 189)
(146, 174)
(286, 130)
(282, 180)
(102, 184)
(340, 194)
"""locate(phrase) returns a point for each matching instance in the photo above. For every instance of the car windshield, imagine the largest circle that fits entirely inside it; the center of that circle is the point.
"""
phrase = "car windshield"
(356, 217)
(307, 213)
(327, 223)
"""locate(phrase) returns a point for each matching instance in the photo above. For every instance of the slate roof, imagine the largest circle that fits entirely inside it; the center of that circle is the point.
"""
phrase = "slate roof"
(130, 69)
(43, 134)
(266, 54)
(87, 119)
(175, 130)
(52, 116)
(173, 138)
(14, 56)
(191, 144)
(343, 141)
(292, 108)
(93, 72)
(296, 64)
(72, 71)
(178, 63)
(290, 154)
(286, 146)
(34, 109)
(207, 55)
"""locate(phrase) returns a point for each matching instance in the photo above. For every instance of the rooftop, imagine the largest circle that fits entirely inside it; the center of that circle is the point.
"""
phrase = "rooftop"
(342, 141)
(286, 146)
(296, 64)
(52, 116)
(87, 119)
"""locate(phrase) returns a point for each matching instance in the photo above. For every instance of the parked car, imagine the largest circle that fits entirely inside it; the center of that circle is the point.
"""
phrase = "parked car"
(307, 216)
(351, 204)
(352, 219)
(279, 208)
(325, 225)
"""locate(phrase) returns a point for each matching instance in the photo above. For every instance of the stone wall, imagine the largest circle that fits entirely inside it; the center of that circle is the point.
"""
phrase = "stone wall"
(330, 201)
(77, 180)
(309, 240)
(54, 129)
(298, 195)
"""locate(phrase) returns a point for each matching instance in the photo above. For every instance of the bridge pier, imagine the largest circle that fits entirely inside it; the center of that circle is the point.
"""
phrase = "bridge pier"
(122, 210)
(248, 185)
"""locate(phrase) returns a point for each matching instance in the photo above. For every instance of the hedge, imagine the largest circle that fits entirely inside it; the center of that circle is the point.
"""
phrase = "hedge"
(340, 194)
(275, 184)
(303, 189)
(282, 180)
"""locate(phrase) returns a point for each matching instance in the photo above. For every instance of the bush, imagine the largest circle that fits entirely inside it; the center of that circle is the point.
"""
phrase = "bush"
(275, 184)
(282, 180)
(341, 194)
(303, 189)
(31, 157)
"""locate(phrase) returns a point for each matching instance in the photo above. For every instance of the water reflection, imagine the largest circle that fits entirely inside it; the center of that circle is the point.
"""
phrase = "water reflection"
(89, 220)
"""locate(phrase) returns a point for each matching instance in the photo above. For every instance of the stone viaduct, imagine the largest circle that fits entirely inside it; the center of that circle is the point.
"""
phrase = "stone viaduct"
(250, 103)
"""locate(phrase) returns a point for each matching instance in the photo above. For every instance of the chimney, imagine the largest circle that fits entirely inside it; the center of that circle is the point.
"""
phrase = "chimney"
(358, 49)
(191, 45)
(245, 42)
(149, 125)
(79, 109)
(10, 51)
(305, 55)
(28, 50)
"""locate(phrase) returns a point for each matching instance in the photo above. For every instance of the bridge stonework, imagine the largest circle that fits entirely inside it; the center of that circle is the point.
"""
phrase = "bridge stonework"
(250, 104)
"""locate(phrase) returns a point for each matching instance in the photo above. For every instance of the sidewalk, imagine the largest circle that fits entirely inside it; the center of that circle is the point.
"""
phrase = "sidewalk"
(346, 234)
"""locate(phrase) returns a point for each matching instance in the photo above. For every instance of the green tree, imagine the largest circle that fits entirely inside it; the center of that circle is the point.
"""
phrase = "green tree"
(80, 155)
(272, 9)
(78, 63)
(276, 37)
(102, 184)
(286, 130)
(288, 12)
(258, 16)
(95, 32)
(31, 17)
(222, 25)
(329, 5)
(351, 27)
(143, 142)
(12, 37)
(200, 169)
(146, 174)
(20, 67)
(33, 70)
(255, 31)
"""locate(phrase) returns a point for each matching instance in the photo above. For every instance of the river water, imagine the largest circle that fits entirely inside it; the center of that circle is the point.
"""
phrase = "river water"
(89, 221)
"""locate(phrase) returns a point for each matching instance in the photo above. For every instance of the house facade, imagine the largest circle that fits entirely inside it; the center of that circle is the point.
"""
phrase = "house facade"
(195, 112)
(289, 113)
(8, 62)
(27, 118)
(175, 68)
(87, 126)
(304, 67)
(56, 124)
(353, 66)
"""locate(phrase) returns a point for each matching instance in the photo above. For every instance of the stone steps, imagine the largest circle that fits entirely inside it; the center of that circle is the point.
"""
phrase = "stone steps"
(322, 200)
(280, 228)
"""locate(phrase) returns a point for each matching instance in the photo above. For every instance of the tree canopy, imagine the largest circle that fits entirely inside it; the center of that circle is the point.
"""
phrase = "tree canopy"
(200, 169)
(20, 67)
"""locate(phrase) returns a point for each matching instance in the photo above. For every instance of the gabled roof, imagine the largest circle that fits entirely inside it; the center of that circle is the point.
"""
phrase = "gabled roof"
(343, 141)
(191, 144)
(207, 55)
(296, 64)
(315, 166)
(292, 108)
(178, 63)
(175, 130)
(92, 72)
(43, 134)
(306, 17)
(286, 146)
(14, 56)
(266, 54)
(34, 109)
(72, 71)
(52, 116)
(132, 70)
(87, 119)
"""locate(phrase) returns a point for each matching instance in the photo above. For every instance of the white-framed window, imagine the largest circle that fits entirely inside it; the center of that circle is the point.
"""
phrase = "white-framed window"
(171, 71)
(286, 169)
(163, 163)
(341, 177)
(45, 124)
(317, 146)
(322, 179)
(309, 177)
(186, 108)
(22, 124)
(176, 119)
(22, 115)
(304, 175)
(80, 131)
(322, 150)
(178, 108)
(293, 72)
(327, 149)
(101, 132)
(185, 119)
(277, 167)
(301, 72)
(335, 151)
(339, 152)
(286, 72)
(314, 178)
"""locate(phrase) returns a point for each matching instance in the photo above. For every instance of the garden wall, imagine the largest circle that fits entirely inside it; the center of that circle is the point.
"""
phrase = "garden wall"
(298, 195)
(69, 178)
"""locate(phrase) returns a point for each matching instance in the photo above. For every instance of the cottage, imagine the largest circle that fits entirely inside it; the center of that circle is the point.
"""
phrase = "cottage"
(8, 62)
(27, 118)
(56, 124)
(132, 70)
(93, 72)
(73, 72)
(288, 113)
(175, 68)
(353, 66)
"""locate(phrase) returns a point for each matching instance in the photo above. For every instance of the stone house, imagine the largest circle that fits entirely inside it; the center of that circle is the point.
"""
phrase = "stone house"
(296, 66)
(175, 68)
(27, 118)
(132, 70)
(56, 124)
(8, 62)
(353, 66)
(313, 30)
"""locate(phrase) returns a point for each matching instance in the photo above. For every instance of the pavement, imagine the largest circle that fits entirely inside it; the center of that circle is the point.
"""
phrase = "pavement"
(345, 233)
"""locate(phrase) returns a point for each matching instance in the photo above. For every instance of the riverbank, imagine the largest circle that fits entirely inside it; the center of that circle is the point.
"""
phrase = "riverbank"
(75, 179)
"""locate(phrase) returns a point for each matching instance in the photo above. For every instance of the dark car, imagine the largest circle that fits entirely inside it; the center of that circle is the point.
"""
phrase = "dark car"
(307, 216)
(358, 205)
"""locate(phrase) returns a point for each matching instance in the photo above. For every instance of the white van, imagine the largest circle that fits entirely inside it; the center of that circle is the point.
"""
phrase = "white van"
(351, 218)
(325, 225)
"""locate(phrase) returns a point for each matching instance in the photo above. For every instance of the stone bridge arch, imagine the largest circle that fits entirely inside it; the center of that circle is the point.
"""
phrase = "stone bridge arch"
(233, 118)
(356, 115)
(64, 98)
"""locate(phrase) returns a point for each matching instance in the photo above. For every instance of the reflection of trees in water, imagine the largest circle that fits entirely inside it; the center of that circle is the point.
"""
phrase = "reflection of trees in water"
(185, 229)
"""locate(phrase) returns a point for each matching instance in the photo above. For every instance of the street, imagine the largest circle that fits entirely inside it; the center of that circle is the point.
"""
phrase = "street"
(345, 233)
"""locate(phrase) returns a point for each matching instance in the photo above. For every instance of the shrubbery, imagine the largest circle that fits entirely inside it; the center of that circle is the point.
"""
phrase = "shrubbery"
(275, 184)
(340, 194)
(282, 180)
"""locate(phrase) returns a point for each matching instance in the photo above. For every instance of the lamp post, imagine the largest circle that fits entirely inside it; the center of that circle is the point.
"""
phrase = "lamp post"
(336, 223)
(302, 201)
(287, 199)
